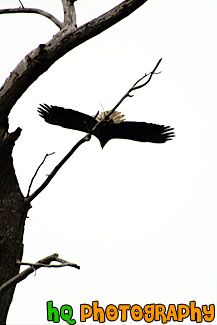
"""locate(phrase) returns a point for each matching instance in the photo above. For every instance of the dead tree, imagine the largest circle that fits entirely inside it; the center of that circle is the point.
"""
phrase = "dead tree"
(13, 205)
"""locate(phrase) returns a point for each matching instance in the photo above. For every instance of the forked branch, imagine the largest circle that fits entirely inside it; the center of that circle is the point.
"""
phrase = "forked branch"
(135, 87)
(40, 59)
(22, 6)
(60, 260)
(45, 262)
(28, 199)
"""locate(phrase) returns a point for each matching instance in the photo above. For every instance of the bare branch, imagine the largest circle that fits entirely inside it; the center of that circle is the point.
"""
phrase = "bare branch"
(48, 154)
(57, 168)
(45, 262)
(39, 60)
(69, 13)
(134, 87)
(33, 11)
(34, 265)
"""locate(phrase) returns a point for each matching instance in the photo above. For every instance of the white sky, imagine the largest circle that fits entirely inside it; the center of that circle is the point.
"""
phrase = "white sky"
(140, 219)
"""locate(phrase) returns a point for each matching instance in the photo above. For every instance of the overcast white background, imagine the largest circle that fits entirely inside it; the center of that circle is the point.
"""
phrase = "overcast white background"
(140, 219)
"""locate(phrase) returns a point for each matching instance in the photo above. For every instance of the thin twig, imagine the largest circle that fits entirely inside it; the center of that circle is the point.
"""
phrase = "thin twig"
(45, 262)
(57, 168)
(21, 4)
(33, 11)
(48, 154)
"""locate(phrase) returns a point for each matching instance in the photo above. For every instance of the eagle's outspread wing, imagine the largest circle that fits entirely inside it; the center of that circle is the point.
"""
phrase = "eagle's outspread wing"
(139, 131)
(67, 118)
(113, 127)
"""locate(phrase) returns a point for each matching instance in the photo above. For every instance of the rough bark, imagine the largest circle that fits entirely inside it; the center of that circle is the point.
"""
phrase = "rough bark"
(13, 206)
(12, 219)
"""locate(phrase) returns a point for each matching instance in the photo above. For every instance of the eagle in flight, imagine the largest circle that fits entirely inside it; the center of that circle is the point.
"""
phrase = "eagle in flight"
(112, 127)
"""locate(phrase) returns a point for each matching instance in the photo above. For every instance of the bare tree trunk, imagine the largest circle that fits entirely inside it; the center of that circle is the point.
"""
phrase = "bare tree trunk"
(13, 206)
(12, 220)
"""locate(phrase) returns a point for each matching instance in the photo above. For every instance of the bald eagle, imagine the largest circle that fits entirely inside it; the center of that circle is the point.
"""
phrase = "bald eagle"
(112, 127)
